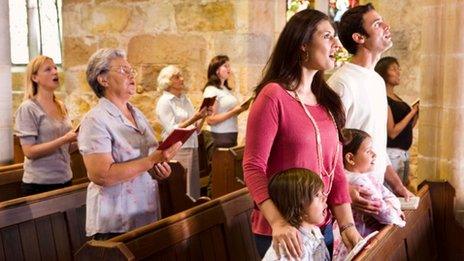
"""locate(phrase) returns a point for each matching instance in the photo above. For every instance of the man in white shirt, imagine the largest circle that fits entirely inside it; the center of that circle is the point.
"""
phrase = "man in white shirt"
(365, 35)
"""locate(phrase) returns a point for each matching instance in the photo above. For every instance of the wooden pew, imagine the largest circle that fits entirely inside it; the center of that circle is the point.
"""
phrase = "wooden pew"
(51, 225)
(216, 230)
(449, 233)
(227, 171)
(416, 241)
(46, 226)
(220, 230)
(174, 189)
(11, 177)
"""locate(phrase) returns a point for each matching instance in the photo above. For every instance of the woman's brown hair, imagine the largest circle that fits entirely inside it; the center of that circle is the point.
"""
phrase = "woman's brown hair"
(285, 64)
(213, 79)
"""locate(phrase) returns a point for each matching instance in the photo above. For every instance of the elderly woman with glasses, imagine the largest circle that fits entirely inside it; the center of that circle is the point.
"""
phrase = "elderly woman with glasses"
(175, 110)
(119, 148)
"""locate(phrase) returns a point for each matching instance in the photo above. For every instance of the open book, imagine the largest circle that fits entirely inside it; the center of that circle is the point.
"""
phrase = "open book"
(360, 246)
(413, 203)
(179, 134)
(415, 102)
(208, 102)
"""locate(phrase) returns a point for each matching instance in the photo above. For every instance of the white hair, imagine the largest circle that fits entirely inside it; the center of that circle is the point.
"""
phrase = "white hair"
(165, 75)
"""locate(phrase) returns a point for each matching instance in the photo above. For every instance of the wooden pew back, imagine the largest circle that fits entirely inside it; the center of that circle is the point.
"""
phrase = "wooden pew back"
(416, 241)
(47, 226)
(11, 177)
(51, 225)
(216, 230)
(227, 171)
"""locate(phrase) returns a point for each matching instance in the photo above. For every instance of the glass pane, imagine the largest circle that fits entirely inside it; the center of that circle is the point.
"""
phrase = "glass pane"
(338, 7)
(18, 32)
(49, 30)
(294, 6)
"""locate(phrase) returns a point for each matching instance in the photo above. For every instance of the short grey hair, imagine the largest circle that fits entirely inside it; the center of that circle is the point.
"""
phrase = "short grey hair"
(165, 75)
(99, 63)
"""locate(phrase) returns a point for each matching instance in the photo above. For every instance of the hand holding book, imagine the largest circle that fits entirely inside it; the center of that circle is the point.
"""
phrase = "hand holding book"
(179, 134)
(207, 102)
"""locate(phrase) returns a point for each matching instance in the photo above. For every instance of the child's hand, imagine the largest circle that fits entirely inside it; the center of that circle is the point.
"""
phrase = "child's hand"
(403, 216)
(360, 200)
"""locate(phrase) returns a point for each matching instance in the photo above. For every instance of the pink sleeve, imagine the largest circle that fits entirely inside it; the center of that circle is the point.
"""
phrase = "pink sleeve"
(261, 129)
(339, 193)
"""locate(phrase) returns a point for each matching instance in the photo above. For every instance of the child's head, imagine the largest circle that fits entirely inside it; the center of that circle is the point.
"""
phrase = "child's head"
(358, 155)
(297, 194)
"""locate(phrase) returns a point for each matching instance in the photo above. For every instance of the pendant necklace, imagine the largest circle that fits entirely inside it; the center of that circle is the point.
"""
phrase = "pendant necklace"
(320, 158)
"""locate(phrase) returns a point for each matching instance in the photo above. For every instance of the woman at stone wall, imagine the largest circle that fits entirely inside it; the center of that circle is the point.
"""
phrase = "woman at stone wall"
(175, 110)
(44, 130)
(223, 120)
(119, 148)
(295, 122)
(401, 118)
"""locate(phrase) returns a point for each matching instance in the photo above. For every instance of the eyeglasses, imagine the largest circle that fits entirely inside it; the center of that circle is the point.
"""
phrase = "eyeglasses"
(124, 70)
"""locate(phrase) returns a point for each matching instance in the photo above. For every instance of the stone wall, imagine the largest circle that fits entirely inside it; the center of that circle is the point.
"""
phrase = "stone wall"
(156, 33)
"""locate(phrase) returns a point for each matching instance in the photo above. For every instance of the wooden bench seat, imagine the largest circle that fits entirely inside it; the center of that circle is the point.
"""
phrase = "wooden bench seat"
(227, 171)
(220, 230)
(216, 230)
(416, 241)
(11, 177)
(46, 226)
(51, 225)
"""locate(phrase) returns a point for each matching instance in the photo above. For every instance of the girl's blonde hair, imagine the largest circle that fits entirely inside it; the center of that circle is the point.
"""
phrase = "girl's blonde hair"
(32, 87)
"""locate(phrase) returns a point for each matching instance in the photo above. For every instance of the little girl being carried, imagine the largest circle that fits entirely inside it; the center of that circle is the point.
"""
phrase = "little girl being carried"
(297, 194)
(358, 159)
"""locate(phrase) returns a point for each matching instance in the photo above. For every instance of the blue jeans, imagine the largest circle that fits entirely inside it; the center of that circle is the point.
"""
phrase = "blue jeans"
(263, 243)
(400, 162)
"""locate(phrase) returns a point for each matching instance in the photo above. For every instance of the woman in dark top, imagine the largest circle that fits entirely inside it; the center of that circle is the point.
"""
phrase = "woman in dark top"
(401, 118)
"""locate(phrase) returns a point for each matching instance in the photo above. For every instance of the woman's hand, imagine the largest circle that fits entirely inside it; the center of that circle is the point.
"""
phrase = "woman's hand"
(350, 237)
(286, 240)
(69, 137)
(159, 156)
(161, 170)
(209, 111)
(200, 114)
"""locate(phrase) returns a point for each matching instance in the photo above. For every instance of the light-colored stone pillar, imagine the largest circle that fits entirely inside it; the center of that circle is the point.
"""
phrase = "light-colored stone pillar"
(6, 132)
(441, 125)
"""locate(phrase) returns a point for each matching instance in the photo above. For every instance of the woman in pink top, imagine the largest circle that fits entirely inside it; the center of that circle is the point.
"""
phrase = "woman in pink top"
(295, 123)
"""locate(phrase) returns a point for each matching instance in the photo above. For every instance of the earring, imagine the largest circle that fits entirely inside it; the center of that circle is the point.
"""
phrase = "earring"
(306, 56)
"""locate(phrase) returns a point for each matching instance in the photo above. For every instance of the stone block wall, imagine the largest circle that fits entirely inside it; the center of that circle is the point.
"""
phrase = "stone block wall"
(155, 33)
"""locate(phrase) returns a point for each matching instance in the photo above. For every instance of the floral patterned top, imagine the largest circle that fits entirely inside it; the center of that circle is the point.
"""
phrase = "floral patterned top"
(127, 205)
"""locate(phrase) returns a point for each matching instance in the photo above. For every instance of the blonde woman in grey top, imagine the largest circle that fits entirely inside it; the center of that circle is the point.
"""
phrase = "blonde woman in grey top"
(44, 130)
(119, 148)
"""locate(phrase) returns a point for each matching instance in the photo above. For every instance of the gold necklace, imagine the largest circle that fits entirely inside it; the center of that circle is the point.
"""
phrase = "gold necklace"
(320, 158)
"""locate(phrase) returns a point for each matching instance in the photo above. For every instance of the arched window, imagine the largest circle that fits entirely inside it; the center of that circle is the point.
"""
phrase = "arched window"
(35, 28)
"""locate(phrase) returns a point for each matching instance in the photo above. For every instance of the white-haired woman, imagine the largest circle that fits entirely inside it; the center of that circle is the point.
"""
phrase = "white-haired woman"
(175, 110)
(44, 130)
(119, 147)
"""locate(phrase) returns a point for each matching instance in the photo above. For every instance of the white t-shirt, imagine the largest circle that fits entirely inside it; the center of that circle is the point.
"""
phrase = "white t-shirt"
(364, 97)
(225, 101)
(171, 111)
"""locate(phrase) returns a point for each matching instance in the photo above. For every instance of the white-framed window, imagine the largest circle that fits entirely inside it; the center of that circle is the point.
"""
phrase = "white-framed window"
(35, 28)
